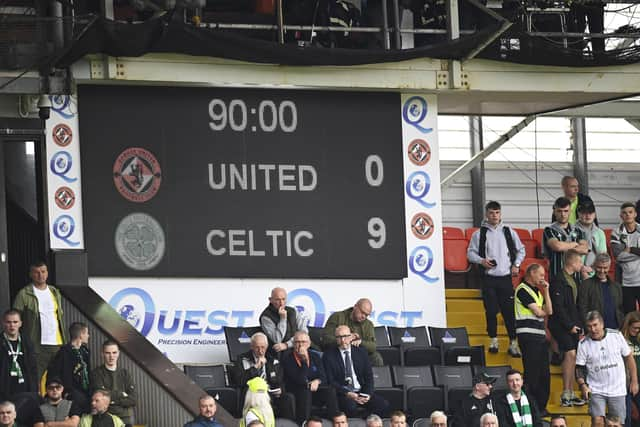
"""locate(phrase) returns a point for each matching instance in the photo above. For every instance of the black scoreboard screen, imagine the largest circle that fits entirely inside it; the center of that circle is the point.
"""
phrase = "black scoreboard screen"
(227, 182)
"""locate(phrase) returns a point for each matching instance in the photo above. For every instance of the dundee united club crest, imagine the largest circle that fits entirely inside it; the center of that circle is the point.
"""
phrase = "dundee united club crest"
(137, 174)
(140, 241)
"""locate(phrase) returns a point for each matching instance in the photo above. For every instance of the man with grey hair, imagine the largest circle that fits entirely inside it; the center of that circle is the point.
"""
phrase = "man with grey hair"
(374, 420)
(601, 360)
(602, 294)
(438, 419)
(7, 414)
(259, 362)
(489, 420)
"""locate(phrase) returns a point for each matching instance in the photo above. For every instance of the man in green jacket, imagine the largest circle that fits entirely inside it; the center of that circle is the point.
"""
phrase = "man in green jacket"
(363, 333)
(100, 416)
(41, 308)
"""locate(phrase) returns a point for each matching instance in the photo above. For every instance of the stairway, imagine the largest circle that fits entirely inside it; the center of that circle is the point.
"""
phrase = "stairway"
(464, 308)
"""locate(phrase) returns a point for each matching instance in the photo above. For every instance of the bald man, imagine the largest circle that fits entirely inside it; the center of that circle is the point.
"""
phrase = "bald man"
(357, 319)
(279, 322)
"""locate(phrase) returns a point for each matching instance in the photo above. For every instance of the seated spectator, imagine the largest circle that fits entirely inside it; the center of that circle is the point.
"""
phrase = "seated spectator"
(313, 422)
(349, 371)
(438, 419)
(257, 405)
(515, 408)
(100, 415)
(279, 322)
(558, 421)
(398, 419)
(374, 420)
(489, 420)
(476, 404)
(207, 416)
(602, 294)
(56, 410)
(340, 420)
(8, 415)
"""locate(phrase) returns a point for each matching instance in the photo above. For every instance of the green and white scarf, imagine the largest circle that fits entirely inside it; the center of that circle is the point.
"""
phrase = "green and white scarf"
(524, 420)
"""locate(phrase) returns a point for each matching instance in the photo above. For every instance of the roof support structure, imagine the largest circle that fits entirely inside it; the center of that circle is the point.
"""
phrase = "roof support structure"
(579, 143)
(478, 193)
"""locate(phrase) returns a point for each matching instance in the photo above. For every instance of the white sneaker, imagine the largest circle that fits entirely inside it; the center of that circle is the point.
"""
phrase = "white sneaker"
(493, 346)
(514, 350)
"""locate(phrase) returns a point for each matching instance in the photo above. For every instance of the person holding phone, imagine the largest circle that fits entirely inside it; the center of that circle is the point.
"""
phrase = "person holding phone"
(566, 322)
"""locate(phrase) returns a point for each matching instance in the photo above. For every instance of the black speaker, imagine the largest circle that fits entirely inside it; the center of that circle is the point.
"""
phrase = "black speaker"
(69, 268)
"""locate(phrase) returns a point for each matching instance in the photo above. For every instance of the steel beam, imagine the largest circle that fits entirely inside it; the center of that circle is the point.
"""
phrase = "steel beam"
(579, 142)
(478, 193)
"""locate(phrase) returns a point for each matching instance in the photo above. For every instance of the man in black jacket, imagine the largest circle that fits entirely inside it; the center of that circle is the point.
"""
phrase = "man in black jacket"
(517, 408)
(258, 362)
(602, 294)
(565, 323)
(476, 404)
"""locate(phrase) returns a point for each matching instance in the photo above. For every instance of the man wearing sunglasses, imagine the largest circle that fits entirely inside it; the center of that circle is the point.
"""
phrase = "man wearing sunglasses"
(57, 411)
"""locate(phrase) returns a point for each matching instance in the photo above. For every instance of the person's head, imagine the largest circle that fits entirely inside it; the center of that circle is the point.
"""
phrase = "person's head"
(79, 331)
(278, 298)
(259, 344)
(39, 273)
(613, 421)
(313, 422)
(7, 413)
(572, 261)
(492, 212)
(570, 187)
(514, 381)
(301, 342)
(255, 423)
(628, 213)
(631, 324)
(343, 337)
(361, 310)
(438, 419)
(534, 275)
(488, 420)
(257, 397)
(55, 389)
(595, 325)
(482, 385)
(110, 353)
(601, 265)
(558, 421)
(100, 401)
(374, 420)
(561, 210)
(207, 405)
(340, 420)
(398, 419)
(587, 213)
(11, 323)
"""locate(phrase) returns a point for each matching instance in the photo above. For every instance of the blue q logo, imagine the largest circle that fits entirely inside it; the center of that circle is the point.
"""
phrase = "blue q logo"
(63, 228)
(60, 165)
(63, 105)
(420, 262)
(128, 303)
(316, 301)
(414, 112)
(417, 187)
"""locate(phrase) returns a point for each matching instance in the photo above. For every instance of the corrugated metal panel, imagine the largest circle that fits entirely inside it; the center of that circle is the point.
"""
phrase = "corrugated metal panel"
(156, 408)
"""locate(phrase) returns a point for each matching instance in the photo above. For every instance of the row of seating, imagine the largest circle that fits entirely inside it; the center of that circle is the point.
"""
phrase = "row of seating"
(354, 422)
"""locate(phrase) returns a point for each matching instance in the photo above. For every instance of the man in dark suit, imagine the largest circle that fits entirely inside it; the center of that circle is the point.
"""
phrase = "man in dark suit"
(258, 362)
(304, 376)
(349, 371)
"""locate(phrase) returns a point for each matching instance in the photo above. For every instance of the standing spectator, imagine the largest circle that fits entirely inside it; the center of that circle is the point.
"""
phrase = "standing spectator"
(100, 415)
(625, 245)
(72, 365)
(601, 360)
(532, 305)
(257, 405)
(478, 403)
(356, 318)
(517, 408)
(566, 323)
(630, 331)
(591, 233)
(602, 294)
(41, 308)
(571, 191)
(56, 410)
(117, 381)
(561, 236)
(498, 251)
(279, 322)
(207, 416)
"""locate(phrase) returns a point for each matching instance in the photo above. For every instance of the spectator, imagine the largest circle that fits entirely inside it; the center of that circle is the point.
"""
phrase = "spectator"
(207, 416)
(558, 421)
(476, 404)
(566, 323)
(100, 415)
(279, 322)
(489, 420)
(56, 410)
(591, 233)
(257, 405)
(438, 419)
(41, 308)
(398, 419)
(561, 236)
(304, 375)
(630, 330)
(517, 408)
(117, 381)
(498, 251)
(356, 318)
(602, 294)
(255, 423)
(600, 360)
(532, 305)
(374, 420)
(348, 370)
(312, 422)
(258, 362)
(340, 420)
(571, 191)
(71, 364)
(625, 245)
(8, 415)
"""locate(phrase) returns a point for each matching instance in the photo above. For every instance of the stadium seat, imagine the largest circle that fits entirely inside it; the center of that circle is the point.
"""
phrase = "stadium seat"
(452, 233)
(239, 339)
(536, 234)
(390, 355)
(455, 255)
(356, 422)
(456, 380)
(412, 376)
(523, 233)
(315, 334)
(500, 372)
(212, 379)
(422, 422)
(382, 336)
(283, 422)
(420, 356)
(413, 343)
(422, 401)
(454, 347)
(469, 232)
(531, 248)
(385, 388)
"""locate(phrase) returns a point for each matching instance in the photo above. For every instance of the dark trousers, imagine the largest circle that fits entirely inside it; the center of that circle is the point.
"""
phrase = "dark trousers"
(630, 295)
(535, 360)
(324, 396)
(284, 406)
(376, 405)
(579, 14)
(497, 294)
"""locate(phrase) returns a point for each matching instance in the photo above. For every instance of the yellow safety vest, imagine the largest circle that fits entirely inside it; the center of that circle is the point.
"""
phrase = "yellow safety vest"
(261, 417)
(526, 321)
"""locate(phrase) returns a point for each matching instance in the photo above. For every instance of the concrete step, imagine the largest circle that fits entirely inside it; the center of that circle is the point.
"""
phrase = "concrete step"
(464, 305)
(576, 420)
(462, 293)
(455, 319)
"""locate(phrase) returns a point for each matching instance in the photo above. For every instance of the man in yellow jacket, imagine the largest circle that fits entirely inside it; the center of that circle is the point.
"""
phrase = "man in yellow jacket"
(99, 416)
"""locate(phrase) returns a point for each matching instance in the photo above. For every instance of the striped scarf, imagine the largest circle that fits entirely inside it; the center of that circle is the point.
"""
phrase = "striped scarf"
(520, 421)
